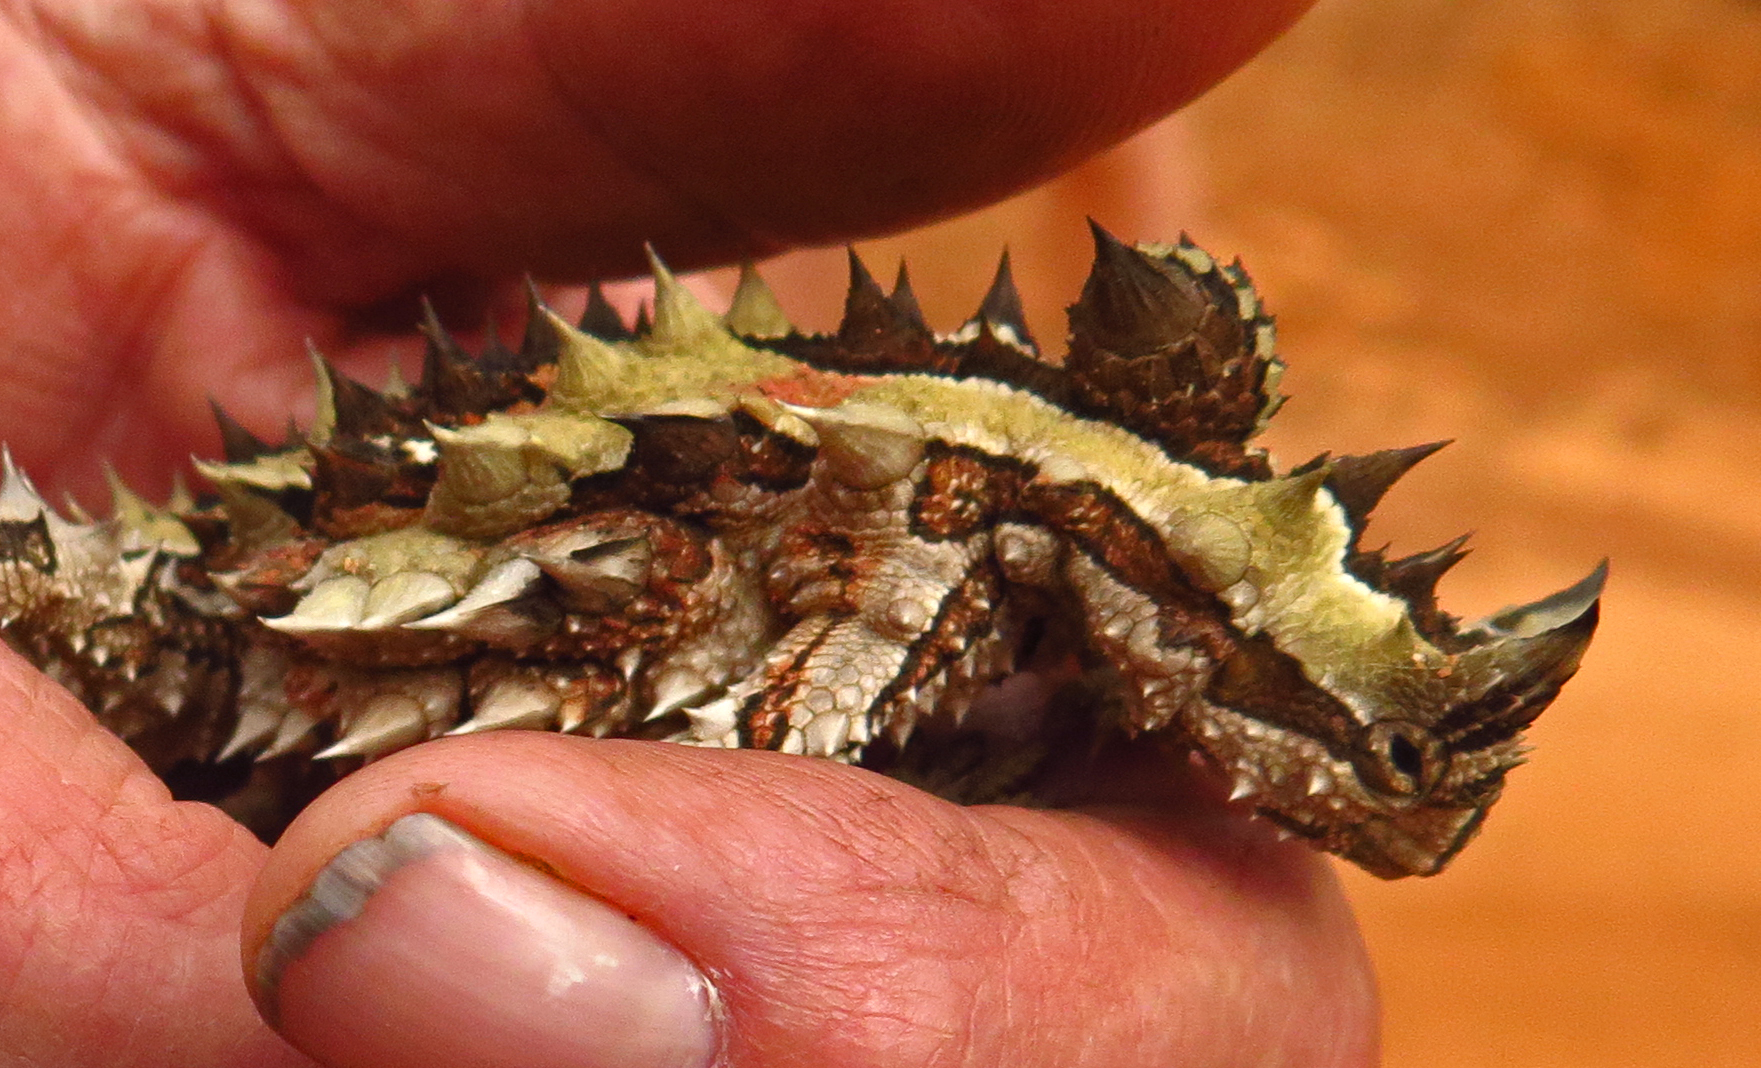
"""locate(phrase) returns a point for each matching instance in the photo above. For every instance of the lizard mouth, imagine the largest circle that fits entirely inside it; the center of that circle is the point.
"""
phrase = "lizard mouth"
(1393, 850)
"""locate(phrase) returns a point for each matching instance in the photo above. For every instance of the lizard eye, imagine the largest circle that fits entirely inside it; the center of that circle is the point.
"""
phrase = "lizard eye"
(1401, 758)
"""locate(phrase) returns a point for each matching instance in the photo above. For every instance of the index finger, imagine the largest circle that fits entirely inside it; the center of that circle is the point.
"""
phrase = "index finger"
(558, 137)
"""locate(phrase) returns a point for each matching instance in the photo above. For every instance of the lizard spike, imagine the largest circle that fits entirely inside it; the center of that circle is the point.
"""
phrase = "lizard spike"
(629, 662)
(866, 308)
(505, 582)
(543, 340)
(1415, 577)
(403, 597)
(255, 522)
(337, 603)
(395, 388)
(497, 358)
(1197, 260)
(355, 410)
(900, 728)
(1553, 613)
(1001, 308)
(588, 368)
(324, 419)
(125, 504)
(150, 525)
(675, 688)
(257, 725)
(754, 311)
(600, 319)
(595, 577)
(75, 511)
(295, 728)
(1241, 787)
(1359, 482)
(387, 723)
(442, 346)
(349, 478)
(514, 703)
(19, 500)
(680, 319)
(1295, 491)
(717, 719)
(866, 446)
(180, 500)
(644, 324)
(237, 444)
(451, 381)
(1130, 305)
(904, 301)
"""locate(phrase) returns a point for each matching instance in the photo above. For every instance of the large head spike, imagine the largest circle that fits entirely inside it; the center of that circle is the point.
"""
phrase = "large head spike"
(1359, 482)
(1521, 657)
(1132, 305)
(1572, 608)
(1166, 343)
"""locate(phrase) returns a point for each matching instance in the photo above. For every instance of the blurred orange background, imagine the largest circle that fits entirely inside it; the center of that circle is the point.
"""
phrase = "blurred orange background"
(1533, 226)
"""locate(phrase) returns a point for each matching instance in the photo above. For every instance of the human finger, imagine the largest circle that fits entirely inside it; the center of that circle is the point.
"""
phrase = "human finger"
(839, 919)
(119, 907)
(557, 137)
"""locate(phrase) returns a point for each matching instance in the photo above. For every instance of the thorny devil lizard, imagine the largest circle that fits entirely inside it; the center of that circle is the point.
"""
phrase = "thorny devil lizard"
(715, 530)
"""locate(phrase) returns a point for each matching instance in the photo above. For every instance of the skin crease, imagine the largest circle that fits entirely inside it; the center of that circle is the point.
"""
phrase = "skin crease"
(192, 189)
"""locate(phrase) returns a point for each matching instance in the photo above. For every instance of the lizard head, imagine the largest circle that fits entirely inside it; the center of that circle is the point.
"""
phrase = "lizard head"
(1340, 701)
(1393, 767)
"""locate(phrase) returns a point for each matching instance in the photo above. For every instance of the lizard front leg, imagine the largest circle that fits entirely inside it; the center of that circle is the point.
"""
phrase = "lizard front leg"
(890, 629)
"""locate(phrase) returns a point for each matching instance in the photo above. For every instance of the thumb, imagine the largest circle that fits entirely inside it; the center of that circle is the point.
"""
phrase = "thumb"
(569, 901)
(118, 905)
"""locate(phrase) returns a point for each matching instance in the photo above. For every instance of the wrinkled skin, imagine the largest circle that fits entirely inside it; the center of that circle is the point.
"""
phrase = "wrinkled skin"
(192, 190)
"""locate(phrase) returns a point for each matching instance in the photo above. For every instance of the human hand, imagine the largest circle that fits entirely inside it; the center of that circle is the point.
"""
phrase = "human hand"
(842, 919)
(176, 244)
(191, 190)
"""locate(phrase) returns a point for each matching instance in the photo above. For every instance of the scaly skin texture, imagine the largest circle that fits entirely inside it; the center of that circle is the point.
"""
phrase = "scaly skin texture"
(719, 532)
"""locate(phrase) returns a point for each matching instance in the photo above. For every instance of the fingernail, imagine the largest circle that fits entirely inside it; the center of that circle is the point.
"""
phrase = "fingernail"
(426, 946)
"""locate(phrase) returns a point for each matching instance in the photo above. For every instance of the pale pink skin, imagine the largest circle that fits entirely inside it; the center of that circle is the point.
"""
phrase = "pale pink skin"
(823, 900)
(189, 193)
